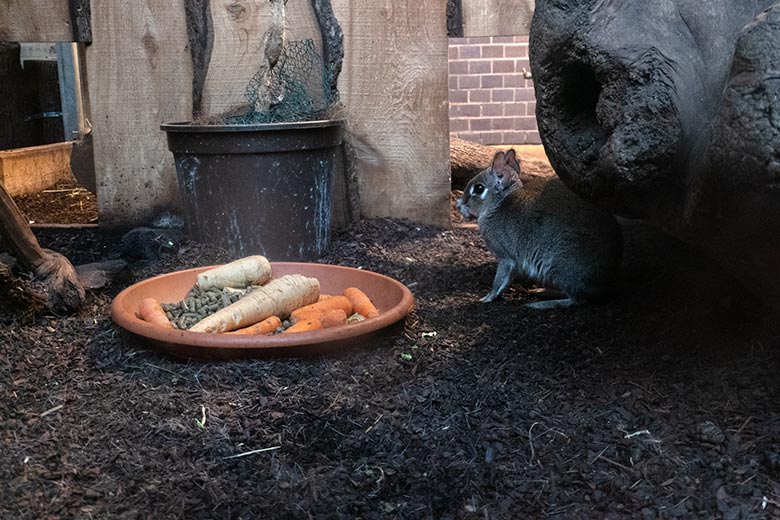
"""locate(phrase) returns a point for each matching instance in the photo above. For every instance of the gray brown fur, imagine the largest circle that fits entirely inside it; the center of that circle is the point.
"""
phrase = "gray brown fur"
(544, 231)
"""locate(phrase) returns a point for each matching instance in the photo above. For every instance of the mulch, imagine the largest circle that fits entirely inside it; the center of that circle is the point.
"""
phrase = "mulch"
(664, 403)
(66, 202)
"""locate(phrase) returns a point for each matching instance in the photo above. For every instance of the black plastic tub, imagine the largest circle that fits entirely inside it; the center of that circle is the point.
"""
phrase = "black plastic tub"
(259, 189)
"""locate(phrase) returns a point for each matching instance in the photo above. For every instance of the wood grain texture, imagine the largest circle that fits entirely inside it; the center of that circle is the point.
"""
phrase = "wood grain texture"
(30, 170)
(394, 88)
(301, 23)
(238, 52)
(139, 73)
(497, 17)
(35, 21)
(394, 84)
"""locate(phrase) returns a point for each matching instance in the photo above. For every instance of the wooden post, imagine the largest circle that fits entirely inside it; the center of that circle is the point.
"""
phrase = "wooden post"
(239, 51)
(497, 17)
(48, 21)
(393, 84)
(394, 88)
(139, 73)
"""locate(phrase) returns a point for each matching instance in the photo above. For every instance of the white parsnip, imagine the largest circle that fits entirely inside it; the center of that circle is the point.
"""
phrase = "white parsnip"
(278, 297)
(250, 270)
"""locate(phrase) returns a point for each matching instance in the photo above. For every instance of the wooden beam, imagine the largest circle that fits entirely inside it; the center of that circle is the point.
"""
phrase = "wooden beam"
(30, 170)
(301, 22)
(393, 83)
(139, 74)
(238, 52)
(45, 21)
(394, 88)
(497, 17)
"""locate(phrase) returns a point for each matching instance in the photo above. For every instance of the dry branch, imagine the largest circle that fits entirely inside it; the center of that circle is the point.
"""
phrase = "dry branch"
(56, 284)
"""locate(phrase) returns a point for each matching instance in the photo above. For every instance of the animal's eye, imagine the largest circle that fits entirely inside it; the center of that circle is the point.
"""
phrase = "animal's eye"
(477, 189)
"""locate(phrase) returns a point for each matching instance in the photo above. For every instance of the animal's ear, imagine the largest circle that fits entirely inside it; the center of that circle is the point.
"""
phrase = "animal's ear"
(498, 160)
(511, 160)
(503, 174)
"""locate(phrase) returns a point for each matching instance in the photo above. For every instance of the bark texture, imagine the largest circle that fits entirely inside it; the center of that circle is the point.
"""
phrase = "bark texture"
(662, 110)
(56, 284)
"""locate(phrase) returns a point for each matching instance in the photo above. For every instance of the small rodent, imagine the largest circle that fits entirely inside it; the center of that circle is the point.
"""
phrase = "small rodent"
(543, 230)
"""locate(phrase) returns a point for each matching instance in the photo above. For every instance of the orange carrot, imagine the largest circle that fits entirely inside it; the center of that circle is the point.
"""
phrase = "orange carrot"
(328, 318)
(304, 325)
(151, 311)
(361, 302)
(334, 302)
(264, 327)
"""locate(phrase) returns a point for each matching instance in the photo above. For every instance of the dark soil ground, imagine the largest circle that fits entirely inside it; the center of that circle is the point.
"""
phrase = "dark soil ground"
(664, 403)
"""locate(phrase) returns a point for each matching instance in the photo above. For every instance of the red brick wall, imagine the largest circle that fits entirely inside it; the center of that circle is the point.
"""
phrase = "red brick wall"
(491, 100)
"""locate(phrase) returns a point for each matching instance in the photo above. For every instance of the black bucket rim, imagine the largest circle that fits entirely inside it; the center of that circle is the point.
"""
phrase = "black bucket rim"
(188, 127)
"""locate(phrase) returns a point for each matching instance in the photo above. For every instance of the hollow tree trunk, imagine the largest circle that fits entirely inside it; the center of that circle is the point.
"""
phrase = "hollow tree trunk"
(58, 286)
(665, 110)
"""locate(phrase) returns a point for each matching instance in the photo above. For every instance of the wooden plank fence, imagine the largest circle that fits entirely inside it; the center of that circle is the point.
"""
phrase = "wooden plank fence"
(497, 17)
(394, 85)
(144, 67)
(45, 21)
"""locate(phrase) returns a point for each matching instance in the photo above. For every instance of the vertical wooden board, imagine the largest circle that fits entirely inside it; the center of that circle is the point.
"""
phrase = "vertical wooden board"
(29, 170)
(497, 17)
(239, 30)
(394, 87)
(139, 74)
(300, 22)
(35, 21)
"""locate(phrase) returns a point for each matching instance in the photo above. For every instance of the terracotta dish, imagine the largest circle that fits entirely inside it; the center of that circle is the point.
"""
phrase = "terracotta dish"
(392, 298)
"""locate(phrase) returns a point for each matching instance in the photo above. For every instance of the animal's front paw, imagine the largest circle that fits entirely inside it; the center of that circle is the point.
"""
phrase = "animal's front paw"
(489, 298)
